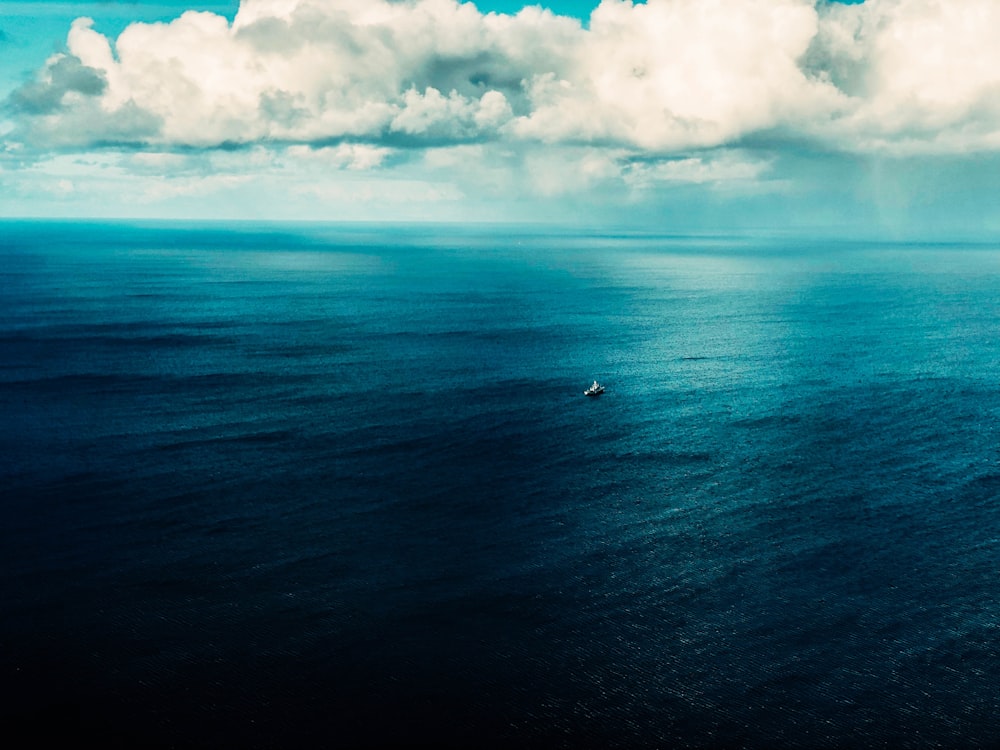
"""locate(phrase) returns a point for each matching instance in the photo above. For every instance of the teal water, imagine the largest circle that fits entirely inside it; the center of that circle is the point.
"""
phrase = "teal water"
(304, 485)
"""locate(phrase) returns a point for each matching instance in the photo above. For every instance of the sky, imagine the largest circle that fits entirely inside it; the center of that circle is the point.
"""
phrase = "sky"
(875, 117)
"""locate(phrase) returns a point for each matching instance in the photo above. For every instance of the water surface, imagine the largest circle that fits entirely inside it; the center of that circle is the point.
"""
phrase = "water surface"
(302, 486)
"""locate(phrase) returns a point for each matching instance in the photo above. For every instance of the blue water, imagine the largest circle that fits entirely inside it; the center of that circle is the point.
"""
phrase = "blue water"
(309, 486)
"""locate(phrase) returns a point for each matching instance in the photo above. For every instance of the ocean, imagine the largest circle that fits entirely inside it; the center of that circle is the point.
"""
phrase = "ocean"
(338, 486)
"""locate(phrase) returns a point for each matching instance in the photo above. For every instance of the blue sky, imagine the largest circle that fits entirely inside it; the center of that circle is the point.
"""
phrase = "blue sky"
(875, 117)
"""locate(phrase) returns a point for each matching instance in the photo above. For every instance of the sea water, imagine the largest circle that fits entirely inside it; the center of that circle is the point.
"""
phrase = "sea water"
(306, 485)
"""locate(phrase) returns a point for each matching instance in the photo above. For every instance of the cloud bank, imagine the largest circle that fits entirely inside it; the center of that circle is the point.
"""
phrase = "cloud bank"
(665, 77)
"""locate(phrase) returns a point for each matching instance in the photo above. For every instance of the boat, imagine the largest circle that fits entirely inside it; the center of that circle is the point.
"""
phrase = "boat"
(595, 390)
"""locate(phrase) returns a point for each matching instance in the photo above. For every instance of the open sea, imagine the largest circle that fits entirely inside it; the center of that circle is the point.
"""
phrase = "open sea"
(317, 486)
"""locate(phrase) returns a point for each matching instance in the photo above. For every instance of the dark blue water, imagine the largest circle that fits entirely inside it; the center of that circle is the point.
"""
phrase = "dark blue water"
(309, 486)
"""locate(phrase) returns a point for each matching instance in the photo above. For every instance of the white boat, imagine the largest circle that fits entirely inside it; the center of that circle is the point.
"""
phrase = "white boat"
(595, 390)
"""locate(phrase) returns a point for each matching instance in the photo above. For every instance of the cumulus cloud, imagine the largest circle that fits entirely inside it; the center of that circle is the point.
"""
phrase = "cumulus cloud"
(314, 71)
(664, 78)
(678, 74)
(923, 75)
(64, 76)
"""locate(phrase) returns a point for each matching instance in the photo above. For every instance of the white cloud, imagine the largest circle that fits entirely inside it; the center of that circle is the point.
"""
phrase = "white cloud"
(453, 117)
(725, 168)
(297, 71)
(359, 80)
(677, 74)
(924, 74)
